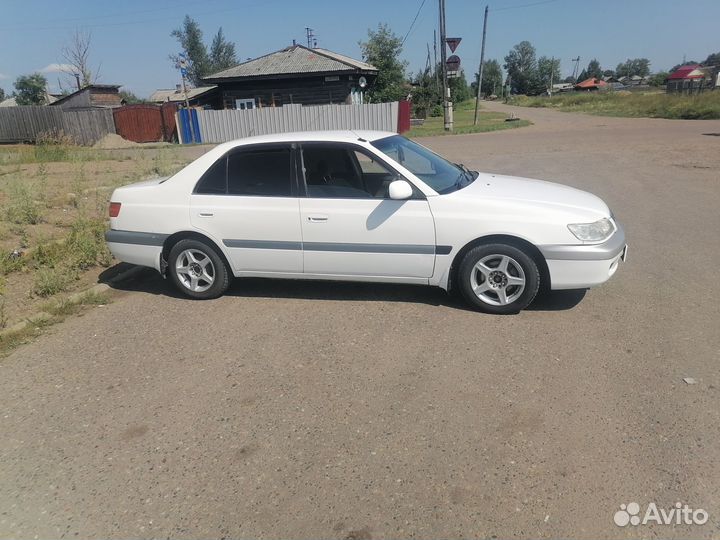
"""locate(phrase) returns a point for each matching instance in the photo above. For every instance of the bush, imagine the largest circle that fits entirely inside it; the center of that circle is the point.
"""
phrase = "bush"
(436, 110)
(86, 245)
(50, 281)
(22, 208)
(53, 146)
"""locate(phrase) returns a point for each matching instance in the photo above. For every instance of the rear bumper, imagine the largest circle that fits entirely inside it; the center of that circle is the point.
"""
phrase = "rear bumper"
(583, 266)
(143, 249)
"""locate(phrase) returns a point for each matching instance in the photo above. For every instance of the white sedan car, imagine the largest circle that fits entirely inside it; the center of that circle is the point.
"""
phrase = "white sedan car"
(363, 206)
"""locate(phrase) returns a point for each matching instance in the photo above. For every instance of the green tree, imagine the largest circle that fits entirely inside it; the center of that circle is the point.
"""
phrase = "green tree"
(659, 78)
(425, 93)
(2, 94)
(129, 98)
(190, 38)
(222, 53)
(30, 89)
(608, 73)
(548, 70)
(459, 89)
(712, 59)
(492, 78)
(593, 69)
(382, 50)
(635, 66)
(521, 65)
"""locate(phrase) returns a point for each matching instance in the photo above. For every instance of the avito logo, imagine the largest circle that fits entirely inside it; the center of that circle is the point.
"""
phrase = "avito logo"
(680, 514)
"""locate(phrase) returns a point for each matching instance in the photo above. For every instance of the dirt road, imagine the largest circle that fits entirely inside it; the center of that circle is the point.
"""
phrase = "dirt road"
(326, 410)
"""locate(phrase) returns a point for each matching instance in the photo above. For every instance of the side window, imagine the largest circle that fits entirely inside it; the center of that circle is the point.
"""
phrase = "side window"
(214, 181)
(260, 172)
(339, 172)
(368, 164)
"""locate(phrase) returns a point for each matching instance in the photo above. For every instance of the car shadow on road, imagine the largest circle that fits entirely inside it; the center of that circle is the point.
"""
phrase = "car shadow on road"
(151, 282)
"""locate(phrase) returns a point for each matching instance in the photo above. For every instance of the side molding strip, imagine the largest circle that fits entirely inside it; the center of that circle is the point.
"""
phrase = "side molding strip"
(134, 237)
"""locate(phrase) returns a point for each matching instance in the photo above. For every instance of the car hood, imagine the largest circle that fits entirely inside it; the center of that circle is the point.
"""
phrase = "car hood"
(532, 192)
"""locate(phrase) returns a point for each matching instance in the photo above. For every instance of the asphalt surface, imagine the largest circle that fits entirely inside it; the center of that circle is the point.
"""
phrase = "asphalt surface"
(328, 410)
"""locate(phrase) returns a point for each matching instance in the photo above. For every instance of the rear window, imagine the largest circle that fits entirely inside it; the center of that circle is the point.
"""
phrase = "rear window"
(214, 181)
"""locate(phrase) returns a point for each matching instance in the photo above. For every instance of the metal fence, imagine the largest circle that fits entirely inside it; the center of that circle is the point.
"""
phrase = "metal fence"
(222, 126)
(24, 124)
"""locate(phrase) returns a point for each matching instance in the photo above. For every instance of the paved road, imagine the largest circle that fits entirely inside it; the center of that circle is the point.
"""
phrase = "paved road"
(324, 410)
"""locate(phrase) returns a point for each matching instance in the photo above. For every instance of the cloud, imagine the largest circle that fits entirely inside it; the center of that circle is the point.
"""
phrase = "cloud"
(56, 68)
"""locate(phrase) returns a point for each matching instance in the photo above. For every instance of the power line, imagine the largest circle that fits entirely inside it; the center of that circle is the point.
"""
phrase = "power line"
(413, 23)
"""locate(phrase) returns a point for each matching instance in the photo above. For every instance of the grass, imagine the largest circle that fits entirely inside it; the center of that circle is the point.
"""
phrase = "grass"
(55, 313)
(464, 115)
(53, 215)
(631, 104)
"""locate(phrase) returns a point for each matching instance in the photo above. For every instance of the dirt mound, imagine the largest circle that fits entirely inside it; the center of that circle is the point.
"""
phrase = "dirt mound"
(111, 140)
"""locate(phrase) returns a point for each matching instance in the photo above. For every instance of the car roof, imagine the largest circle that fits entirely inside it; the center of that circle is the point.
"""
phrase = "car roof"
(315, 136)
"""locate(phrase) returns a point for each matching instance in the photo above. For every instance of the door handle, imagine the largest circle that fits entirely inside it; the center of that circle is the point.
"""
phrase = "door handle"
(206, 214)
(317, 219)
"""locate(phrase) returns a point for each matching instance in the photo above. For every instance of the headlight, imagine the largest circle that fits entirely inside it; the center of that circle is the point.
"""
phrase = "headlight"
(592, 232)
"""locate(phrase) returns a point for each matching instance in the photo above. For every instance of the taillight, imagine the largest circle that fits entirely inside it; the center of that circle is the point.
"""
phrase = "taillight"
(115, 209)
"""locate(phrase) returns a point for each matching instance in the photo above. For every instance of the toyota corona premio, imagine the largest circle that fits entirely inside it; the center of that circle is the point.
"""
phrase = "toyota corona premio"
(363, 206)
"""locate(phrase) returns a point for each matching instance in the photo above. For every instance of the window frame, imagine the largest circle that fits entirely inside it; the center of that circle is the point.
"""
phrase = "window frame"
(294, 182)
(302, 180)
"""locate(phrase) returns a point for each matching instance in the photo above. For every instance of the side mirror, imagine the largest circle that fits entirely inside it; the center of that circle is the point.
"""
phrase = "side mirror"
(400, 190)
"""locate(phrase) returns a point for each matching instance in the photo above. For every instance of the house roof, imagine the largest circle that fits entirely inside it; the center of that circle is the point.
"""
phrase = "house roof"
(293, 60)
(89, 87)
(592, 82)
(173, 94)
(691, 71)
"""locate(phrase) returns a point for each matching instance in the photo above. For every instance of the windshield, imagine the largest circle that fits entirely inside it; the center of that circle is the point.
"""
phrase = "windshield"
(435, 171)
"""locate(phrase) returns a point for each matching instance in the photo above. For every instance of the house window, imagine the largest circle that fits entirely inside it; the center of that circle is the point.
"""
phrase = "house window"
(244, 104)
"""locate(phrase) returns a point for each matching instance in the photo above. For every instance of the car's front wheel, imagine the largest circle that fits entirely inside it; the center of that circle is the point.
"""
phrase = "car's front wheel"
(498, 278)
(197, 270)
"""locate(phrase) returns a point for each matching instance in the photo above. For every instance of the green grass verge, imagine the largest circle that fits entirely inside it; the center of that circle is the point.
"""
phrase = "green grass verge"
(631, 104)
(57, 312)
(464, 115)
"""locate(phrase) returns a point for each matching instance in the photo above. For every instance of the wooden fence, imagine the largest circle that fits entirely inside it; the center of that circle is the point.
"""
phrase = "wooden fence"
(24, 124)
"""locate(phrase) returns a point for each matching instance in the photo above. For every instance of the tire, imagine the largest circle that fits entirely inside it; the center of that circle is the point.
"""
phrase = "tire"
(198, 270)
(498, 278)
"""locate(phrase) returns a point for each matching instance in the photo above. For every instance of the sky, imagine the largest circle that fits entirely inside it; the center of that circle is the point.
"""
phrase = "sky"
(131, 38)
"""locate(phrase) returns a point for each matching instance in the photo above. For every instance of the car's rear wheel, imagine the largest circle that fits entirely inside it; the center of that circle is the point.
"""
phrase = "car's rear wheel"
(197, 270)
(498, 278)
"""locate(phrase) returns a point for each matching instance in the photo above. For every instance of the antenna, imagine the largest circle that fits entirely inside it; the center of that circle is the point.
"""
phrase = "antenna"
(310, 37)
(576, 68)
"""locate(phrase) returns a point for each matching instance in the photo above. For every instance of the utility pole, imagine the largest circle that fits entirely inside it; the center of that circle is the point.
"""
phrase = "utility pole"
(482, 65)
(575, 69)
(310, 37)
(447, 104)
(435, 71)
(552, 72)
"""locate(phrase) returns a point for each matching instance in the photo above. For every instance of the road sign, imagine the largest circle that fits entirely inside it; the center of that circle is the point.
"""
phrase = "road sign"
(453, 63)
(453, 74)
(453, 43)
(183, 72)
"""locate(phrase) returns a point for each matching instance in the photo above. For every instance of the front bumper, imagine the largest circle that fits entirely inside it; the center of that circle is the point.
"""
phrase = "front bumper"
(584, 265)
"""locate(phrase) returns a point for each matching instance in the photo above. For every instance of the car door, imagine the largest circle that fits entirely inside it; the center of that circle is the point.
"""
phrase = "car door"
(349, 224)
(248, 201)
